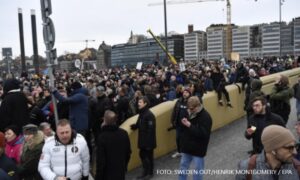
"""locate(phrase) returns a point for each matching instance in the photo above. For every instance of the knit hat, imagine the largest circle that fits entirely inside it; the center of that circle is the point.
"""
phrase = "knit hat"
(30, 129)
(274, 137)
(14, 129)
(188, 90)
(76, 85)
(2, 140)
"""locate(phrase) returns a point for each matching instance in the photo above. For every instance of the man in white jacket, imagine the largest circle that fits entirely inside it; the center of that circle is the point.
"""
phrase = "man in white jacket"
(65, 156)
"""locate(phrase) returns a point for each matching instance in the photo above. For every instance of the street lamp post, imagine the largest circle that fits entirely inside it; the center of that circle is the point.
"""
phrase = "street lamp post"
(166, 29)
(280, 4)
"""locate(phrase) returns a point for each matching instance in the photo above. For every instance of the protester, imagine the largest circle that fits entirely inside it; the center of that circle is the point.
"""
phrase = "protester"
(261, 118)
(276, 158)
(280, 97)
(195, 138)
(180, 111)
(66, 155)
(113, 150)
(8, 167)
(146, 125)
(32, 150)
(14, 143)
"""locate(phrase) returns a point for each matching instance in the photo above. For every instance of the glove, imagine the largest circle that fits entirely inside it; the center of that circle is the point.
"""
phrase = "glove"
(133, 127)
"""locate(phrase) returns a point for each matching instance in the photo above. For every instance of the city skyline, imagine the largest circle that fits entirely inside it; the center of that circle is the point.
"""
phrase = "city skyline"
(106, 21)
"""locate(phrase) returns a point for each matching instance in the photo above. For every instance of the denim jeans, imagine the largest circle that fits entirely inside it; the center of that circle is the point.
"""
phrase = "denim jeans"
(185, 162)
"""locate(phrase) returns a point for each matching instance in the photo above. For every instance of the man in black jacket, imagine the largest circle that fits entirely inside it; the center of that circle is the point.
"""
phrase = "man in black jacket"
(113, 150)
(14, 109)
(180, 112)
(261, 118)
(146, 136)
(195, 138)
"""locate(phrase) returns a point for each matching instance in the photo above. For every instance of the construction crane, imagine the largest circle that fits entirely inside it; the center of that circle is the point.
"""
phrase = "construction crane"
(172, 58)
(87, 42)
(228, 26)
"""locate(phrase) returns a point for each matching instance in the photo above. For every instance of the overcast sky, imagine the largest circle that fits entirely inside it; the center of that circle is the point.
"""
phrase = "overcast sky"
(112, 20)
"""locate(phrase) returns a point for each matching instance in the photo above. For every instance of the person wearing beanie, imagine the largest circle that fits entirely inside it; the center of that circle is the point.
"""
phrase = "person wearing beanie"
(8, 168)
(180, 112)
(14, 143)
(31, 153)
(277, 157)
(14, 109)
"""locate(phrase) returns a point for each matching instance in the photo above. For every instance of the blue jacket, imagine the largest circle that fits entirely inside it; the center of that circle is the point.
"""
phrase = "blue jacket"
(78, 108)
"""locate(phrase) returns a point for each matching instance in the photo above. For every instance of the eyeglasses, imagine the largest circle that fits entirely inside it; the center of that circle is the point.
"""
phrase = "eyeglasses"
(292, 147)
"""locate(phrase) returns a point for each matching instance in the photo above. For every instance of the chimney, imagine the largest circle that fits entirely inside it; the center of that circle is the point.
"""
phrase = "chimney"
(190, 28)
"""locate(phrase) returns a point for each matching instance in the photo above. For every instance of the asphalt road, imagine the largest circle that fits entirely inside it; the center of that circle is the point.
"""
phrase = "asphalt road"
(226, 148)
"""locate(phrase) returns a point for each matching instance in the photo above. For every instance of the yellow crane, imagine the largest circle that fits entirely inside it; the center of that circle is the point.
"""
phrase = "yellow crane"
(172, 58)
(228, 28)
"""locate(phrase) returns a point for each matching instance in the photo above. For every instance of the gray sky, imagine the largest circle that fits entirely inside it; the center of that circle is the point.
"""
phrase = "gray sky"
(112, 20)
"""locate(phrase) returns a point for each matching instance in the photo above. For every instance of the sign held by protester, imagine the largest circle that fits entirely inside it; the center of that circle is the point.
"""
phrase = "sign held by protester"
(235, 56)
(182, 67)
(139, 66)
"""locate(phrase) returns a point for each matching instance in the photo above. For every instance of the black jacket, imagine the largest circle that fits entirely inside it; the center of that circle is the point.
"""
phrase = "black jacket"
(8, 166)
(113, 153)
(179, 112)
(146, 124)
(14, 110)
(260, 121)
(194, 140)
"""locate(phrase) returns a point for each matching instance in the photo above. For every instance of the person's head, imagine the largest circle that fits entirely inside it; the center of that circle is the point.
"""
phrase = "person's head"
(193, 104)
(282, 80)
(186, 93)
(11, 133)
(76, 85)
(46, 129)
(259, 105)
(64, 131)
(122, 91)
(143, 102)
(279, 142)
(110, 118)
(29, 131)
(100, 91)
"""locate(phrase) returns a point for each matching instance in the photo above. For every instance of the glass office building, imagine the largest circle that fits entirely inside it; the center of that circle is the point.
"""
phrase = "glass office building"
(147, 51)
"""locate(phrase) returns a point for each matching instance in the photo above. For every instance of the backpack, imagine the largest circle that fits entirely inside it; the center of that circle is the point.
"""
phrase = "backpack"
(252, 165)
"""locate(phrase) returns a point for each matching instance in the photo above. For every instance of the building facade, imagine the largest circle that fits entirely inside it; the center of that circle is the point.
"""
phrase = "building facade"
(241, 40)
(271, 39)
(194, 45)
(297, 36)
(103, 56)
(147, 51)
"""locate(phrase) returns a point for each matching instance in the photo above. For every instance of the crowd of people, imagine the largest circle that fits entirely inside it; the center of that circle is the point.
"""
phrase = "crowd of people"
(91, 105)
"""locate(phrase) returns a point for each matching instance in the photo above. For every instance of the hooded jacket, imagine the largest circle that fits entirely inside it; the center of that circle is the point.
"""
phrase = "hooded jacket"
(13, 149)
(31, 153)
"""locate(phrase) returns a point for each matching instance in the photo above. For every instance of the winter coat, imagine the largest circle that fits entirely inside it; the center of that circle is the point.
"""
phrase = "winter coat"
(287, 171)
(280, 101)
(122, 109)
(9, 167)
(179, 112)
(146, 124)
(113, 153)
(296, 89)
(255, 91)
(32, 150)
(194, 139)
(78, 108)
(14, 110)
(13, 149)
(260, 121)
(71, 160)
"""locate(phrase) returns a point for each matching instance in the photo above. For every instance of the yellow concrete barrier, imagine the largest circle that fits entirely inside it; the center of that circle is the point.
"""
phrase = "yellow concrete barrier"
(221, 115)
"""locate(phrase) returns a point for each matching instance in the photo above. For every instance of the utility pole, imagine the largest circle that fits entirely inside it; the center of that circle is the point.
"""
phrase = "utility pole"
(34, 43)
(21, 32)
(166, 29)
(280, 4)
(49, 39)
